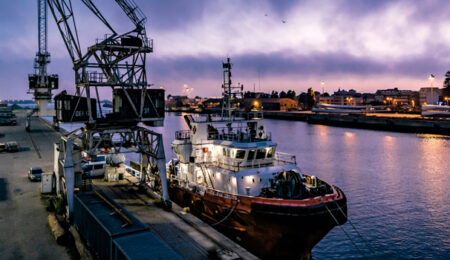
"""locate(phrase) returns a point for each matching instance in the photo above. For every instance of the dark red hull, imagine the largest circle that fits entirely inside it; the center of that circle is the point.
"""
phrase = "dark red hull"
(269, 228)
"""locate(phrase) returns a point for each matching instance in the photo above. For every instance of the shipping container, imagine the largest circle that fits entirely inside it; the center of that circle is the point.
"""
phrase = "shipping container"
(143, 245)
(99, 224)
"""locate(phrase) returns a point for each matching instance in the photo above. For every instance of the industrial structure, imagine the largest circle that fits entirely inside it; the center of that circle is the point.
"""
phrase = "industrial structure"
(41, 84)
(116, 62)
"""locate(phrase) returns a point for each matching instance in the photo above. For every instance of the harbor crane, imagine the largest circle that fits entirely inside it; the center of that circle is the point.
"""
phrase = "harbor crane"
(41, 84)
(116, 62)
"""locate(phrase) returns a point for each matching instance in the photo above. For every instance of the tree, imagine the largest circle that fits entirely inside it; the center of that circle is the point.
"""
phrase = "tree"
(282, 94)
(292, 95)
(310, 98)
(446, 91)
(274, 94)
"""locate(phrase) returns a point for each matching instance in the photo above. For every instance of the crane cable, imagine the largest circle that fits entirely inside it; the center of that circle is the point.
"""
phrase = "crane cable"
(348, 236)
(357, 232)
(229, 213)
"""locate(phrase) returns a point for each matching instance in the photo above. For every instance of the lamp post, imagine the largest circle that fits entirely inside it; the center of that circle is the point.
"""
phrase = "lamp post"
(323, 86)
(431, 78)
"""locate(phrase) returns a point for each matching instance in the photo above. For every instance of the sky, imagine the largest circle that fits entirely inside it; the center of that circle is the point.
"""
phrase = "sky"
(359, 44)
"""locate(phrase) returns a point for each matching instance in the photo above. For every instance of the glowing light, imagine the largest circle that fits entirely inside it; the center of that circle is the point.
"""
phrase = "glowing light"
(349, 134)
(233, 181)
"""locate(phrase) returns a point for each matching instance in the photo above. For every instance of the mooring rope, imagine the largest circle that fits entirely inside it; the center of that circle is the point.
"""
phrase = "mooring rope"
(345, 232)
(357, 232)
(229, 213)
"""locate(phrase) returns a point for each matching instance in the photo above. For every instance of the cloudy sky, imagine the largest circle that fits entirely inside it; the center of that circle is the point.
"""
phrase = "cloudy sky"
(365, 45)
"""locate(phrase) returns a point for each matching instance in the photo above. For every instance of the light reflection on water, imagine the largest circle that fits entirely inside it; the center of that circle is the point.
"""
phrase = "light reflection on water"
(395, 184)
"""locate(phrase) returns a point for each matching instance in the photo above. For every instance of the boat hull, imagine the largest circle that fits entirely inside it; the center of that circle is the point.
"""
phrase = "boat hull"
(265, 227)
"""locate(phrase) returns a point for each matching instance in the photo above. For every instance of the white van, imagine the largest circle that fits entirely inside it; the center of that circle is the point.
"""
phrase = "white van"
(94, 166)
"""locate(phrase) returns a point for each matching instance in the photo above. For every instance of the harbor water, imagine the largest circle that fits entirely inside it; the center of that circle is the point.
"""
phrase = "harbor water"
(396, 186)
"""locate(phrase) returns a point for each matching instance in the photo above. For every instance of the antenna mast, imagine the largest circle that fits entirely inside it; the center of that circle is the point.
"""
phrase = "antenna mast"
(231, 94)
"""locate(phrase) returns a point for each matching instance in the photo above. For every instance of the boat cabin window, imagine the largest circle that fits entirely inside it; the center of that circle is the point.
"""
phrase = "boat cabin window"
(251, 155)
(270, 152)
(261, 154)
(240, 154)
(226, 152)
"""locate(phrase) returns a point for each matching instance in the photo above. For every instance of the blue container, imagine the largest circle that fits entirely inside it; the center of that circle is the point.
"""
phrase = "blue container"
(144, 245)
(98, 224)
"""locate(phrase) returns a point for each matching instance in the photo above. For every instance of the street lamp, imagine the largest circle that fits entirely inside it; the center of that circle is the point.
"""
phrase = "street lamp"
(431, 78)
(446, 99)
(323, 88)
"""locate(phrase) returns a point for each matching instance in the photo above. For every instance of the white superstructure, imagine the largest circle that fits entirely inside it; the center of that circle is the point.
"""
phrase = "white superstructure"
(236, 156)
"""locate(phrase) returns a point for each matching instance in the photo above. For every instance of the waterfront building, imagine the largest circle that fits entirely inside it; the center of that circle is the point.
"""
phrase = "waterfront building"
(279, 104)
(213, 102)
(429, 95)
(347, 98)
(399, 100)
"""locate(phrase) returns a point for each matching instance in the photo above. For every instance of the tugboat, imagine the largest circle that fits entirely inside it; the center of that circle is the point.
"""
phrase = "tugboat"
(230, 175)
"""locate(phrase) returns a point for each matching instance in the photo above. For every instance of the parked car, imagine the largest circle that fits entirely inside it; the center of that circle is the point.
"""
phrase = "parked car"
(12, 147)
(35, 174)
(2, 147)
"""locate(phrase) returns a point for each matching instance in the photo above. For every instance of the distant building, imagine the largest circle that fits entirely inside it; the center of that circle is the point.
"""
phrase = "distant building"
(279, 104)
(348, 98)
(400, 100)
(213, 103)
(369, 99)
(429, 95)
(324, 99)
(177, 101)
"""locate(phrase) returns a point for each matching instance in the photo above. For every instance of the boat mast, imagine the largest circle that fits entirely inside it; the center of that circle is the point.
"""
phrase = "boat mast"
(231, 94)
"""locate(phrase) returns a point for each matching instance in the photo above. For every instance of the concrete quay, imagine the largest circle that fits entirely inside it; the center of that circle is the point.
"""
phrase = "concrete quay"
(24, 232)
(23, 219)
(408, 123)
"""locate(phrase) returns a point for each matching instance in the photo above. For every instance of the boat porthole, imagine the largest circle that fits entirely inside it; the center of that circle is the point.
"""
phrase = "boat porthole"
(253, 180)
(260, 180)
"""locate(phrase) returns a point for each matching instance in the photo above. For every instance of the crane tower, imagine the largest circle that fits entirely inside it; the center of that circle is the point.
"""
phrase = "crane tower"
(40, 83)
(115, 62)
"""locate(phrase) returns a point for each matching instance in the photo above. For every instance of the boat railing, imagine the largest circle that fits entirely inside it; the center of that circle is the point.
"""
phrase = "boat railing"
(285, 157)
(239, 135)
(236, 165)
(183, 134)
